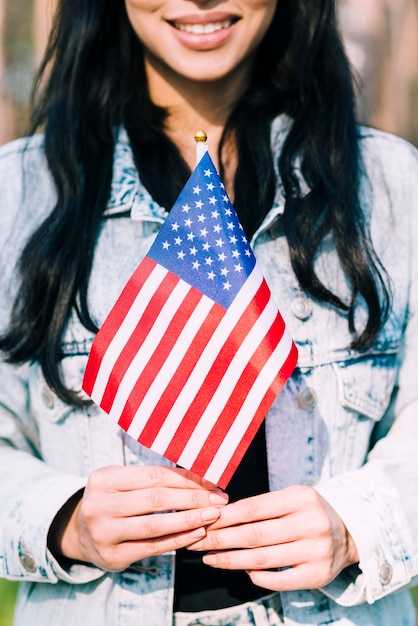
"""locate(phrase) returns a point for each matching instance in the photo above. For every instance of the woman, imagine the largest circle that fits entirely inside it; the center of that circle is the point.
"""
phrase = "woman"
(321, 523)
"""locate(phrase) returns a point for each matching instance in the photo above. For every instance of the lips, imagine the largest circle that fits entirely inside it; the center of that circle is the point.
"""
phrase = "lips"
(203, 31)
(205, 28)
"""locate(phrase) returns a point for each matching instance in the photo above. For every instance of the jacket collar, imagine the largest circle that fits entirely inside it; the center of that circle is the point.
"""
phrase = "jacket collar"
(128, 194)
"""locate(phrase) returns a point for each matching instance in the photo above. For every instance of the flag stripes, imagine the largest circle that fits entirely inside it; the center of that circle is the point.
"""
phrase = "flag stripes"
(208, 360)
(115, 329)
(211, 400)
(248, 380)
(245, 426)
(194, 352)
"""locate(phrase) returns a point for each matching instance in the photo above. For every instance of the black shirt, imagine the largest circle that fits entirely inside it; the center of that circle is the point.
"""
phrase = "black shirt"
(199, 587)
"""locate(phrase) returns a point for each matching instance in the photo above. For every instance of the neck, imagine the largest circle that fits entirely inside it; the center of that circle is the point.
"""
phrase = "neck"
(193, 106)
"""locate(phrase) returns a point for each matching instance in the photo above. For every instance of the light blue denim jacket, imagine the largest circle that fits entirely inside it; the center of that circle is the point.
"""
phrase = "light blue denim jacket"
(319, 432)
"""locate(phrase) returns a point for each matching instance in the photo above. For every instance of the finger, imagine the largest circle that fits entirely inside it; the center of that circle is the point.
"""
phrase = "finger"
(118, 558)
(154, 526)
(130, 478)
(268, 557)
(143, 501)
(257, 534)
(304, 576)
(276, 504)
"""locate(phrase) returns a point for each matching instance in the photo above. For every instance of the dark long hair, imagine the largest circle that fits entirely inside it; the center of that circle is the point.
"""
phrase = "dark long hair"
(92, 80)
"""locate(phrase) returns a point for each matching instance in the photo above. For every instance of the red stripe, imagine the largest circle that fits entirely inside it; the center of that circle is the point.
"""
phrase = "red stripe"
(114, 320)
(263, 408)
(159, 356)
(217, 372)
(180, 377)
(137, 338)
(232, 407)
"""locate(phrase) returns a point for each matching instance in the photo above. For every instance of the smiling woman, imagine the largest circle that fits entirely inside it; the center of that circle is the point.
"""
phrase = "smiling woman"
(319, 524)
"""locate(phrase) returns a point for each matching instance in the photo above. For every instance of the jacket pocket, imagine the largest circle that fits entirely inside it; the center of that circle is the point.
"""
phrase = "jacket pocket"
(365, 384)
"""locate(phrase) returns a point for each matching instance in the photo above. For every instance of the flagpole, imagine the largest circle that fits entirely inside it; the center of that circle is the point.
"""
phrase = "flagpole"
(201, 147)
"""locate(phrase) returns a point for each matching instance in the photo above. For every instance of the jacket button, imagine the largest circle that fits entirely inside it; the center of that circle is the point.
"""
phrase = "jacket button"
(301, 308)
(28, 562)
(385, 573)
(48, 397)
(307, 398)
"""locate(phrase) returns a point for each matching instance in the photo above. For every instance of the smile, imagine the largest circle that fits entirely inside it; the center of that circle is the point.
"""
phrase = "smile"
(204, 29)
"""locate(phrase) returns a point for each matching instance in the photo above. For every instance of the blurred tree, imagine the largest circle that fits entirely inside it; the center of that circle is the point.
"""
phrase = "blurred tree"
(381, 38)
(382, 41)
(24, 26)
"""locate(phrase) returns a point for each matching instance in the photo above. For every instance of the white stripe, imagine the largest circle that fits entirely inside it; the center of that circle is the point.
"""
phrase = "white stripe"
(125, 330)
(145, 352)
(206, 360)
(245, 416)
(167, 371)
(227, 384)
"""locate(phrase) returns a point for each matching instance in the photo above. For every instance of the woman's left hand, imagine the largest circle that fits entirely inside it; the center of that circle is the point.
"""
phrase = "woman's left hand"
(294, 528)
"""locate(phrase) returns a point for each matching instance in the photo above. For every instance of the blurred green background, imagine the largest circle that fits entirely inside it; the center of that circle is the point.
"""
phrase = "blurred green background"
(381, 39)
(8, 594)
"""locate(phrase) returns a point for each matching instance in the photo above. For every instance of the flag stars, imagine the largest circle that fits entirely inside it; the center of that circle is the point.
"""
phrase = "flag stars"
(202, 242)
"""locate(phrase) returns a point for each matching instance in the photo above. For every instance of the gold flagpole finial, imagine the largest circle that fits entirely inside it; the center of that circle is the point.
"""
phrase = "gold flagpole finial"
(201, 148)
(200, 136)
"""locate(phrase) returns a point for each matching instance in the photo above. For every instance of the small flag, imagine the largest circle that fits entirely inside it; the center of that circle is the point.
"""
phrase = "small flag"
(195, 351)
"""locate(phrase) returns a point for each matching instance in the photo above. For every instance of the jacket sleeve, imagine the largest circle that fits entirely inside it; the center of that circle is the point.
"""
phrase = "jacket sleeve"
(379, 502)
(31, 492)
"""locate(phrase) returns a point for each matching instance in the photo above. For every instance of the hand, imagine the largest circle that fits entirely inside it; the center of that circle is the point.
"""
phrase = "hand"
(123, 515)
(294, 528)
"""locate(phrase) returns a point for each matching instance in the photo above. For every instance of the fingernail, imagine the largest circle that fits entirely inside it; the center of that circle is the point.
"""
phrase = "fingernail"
(218, 497)
(210, 559)
(210, 515)
(198, 534)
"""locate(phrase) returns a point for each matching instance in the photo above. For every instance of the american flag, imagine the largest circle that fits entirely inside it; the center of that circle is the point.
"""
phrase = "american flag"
(195, 351)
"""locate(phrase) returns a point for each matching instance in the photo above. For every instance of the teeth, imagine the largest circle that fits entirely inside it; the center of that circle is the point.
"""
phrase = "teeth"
(203, 29)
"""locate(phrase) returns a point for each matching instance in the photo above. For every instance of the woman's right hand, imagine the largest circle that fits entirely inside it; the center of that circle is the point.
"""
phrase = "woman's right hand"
(129, 513)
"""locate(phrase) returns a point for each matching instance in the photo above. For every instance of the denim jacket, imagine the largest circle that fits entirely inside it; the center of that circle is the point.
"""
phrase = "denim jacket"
(346, 423)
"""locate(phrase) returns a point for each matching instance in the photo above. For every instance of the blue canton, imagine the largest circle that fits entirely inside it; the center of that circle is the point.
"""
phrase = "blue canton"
(202, 240)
